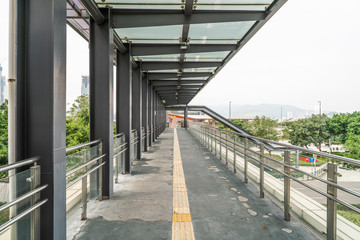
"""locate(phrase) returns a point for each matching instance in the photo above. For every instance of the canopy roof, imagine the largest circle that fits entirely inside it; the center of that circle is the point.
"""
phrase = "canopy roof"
(180, 45)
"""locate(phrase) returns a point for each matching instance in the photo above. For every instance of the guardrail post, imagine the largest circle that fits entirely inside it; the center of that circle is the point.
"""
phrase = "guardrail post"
(215, 137)
(35, 215)
(100, 198)
(234, 163)
(287, 186)
(83, 188)
(220, 140)
(227, 149)
(117, 161)
(245, 160)
(331, 204)
(262, 152)
(211, 143)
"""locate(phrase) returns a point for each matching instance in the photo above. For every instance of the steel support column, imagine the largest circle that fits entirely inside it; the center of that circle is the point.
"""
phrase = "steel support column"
(101, 95)
(145, 106)
(150, 109)
(136, 107)
(41, 104)
(124, 102)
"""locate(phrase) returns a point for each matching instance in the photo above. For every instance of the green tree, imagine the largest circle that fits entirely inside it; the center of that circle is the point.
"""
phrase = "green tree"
(4, 136)
(343, 124)
(313, 130)
(77, 122)
(264, 127)
(352, 144)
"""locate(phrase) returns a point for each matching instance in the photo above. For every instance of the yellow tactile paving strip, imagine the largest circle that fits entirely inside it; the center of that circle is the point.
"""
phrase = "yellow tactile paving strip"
(182, 227)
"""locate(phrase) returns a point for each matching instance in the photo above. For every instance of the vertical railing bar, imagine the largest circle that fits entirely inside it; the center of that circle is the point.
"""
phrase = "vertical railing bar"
(100, 172)
(227, 149)
(331, 204)
(287, 186)
(84, 188)
(262, 152)
(245, 160)
(234, 162)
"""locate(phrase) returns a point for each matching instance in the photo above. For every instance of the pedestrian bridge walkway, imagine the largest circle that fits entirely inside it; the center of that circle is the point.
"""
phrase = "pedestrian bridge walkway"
(180, 190)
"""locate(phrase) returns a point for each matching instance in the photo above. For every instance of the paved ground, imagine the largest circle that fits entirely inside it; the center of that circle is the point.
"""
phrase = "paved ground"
(221, 206)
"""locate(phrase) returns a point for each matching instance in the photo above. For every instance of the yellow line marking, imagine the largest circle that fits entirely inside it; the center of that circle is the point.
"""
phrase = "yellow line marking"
(182, 227)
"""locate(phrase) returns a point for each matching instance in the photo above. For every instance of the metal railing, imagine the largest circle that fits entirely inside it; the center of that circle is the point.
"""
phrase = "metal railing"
(143, 136)
(84, 165)
(25, 188)
(119, 155)
(134, 144)
(243, 152)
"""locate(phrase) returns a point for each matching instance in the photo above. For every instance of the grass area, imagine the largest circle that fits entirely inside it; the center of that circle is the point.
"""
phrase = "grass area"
(349, 214)
(4, 215)
(280, 176)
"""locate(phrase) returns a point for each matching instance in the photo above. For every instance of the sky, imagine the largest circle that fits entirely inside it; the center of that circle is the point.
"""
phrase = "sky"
(309, 51)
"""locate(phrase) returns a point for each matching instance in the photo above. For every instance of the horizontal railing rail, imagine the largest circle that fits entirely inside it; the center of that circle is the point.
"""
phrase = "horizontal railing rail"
(88, 160)
(18, 164)
(32, 184)
(120, 146)
(219, 140)
(69, 149)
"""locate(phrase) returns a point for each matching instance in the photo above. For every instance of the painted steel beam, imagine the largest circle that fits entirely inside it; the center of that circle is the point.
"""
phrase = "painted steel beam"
(175, 83)
(132, 18)
(161, 49)
(101, 95)
(136, 108)
(146, 66)
(41, 109)
(124, 102)
(93, 10)
(170, 75)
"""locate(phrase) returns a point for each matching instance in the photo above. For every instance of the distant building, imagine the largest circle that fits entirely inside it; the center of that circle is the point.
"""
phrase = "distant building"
(2, 87)
(85, 85)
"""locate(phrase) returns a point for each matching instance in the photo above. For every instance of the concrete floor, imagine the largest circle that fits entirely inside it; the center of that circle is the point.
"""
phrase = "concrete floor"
(222, 207)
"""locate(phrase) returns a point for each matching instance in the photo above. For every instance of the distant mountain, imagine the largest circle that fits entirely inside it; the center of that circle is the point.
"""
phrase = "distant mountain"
(268, 110)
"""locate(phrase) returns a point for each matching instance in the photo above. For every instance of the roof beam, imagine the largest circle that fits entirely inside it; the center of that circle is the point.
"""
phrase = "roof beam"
(93, 10)
(131, 18)
(161, 49)
(176, 82)
(175, 87)
(166, 75)
(146, 66)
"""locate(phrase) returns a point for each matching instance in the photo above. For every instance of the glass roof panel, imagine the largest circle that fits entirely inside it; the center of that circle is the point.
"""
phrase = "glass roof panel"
(210, 56)
(141, 4)
(226, 31)
(199, 69)
(167, 57)
(232, 4)
(151, 33)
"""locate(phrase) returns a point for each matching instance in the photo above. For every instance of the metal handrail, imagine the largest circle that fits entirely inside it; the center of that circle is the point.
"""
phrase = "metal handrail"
(117, 135)
(69, 149)
(21, 198)
(117, 154)
(19, 164)
(84, 175)
(21, 215)
(350, 191)
(290, 146)
(84, 165)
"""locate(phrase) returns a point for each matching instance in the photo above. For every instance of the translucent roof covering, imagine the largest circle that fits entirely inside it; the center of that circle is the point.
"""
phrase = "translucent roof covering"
(183, 39)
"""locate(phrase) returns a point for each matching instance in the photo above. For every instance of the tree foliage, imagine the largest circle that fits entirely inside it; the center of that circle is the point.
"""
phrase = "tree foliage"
(262, 127)
(342, 125)
(4, 133)
(313, 130)
(77, 122)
